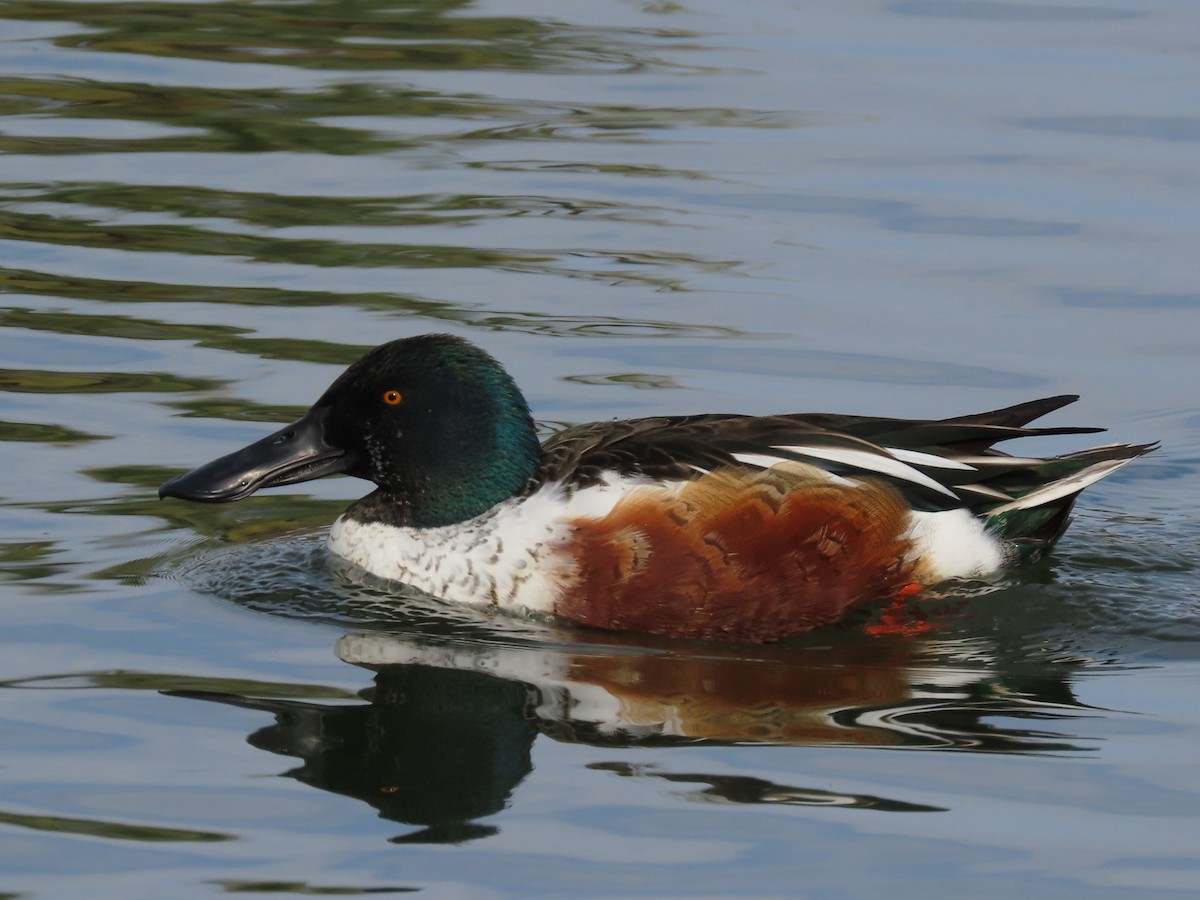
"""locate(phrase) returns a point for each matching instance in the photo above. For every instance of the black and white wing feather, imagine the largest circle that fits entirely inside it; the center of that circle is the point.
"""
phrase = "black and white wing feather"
(936, 464)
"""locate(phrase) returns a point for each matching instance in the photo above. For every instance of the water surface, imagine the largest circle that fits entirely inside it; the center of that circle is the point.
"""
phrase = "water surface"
(919, 208)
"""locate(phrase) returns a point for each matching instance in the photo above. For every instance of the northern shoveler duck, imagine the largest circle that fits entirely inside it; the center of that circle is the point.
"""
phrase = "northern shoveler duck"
(707, 526)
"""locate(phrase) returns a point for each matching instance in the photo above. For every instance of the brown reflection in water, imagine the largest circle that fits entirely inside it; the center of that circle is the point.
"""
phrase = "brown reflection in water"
(729, 699)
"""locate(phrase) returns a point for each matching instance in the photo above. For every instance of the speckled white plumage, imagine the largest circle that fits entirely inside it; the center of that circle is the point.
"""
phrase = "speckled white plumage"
(511, 556)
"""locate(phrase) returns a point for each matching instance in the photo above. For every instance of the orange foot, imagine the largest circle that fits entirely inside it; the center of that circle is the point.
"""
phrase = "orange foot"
(900, 617)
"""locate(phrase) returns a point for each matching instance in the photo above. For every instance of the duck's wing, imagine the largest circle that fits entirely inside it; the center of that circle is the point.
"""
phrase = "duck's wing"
(936, 464)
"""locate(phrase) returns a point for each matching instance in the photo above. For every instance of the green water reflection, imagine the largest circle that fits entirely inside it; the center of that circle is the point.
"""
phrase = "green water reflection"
(34, 381)
(332, 34)
(32, 432)
(303, 889)
(113, 830)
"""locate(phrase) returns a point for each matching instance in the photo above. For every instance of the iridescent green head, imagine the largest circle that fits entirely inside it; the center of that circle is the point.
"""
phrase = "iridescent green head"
(432, 420)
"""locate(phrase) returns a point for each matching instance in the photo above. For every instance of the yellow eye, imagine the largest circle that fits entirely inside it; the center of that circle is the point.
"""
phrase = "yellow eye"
(393, 397)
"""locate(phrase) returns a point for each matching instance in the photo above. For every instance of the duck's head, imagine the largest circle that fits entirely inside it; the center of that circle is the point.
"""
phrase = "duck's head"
(434, 421)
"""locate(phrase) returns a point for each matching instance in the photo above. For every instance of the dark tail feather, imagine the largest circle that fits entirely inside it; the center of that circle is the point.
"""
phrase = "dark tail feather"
(974, 433)
(1020, 414)
(1041, 510)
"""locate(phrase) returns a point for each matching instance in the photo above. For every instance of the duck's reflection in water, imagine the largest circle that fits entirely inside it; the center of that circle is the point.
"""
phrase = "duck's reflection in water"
(430, 747)
(444, 735)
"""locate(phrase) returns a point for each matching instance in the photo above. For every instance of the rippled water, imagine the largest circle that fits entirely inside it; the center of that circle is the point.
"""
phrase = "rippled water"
(926, 208)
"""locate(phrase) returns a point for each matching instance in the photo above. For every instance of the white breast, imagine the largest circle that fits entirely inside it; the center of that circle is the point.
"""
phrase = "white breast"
(510, 556)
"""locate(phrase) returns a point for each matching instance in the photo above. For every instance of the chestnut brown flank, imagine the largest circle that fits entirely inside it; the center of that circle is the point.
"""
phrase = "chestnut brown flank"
(747, 556)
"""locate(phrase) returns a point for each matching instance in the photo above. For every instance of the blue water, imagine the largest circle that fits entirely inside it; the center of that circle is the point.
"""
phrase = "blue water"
(207, 209)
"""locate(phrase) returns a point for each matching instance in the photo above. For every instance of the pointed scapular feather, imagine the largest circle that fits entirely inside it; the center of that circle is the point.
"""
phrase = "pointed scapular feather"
(870, 461)
(928, 459)
(1064, 487)
(981, 491)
